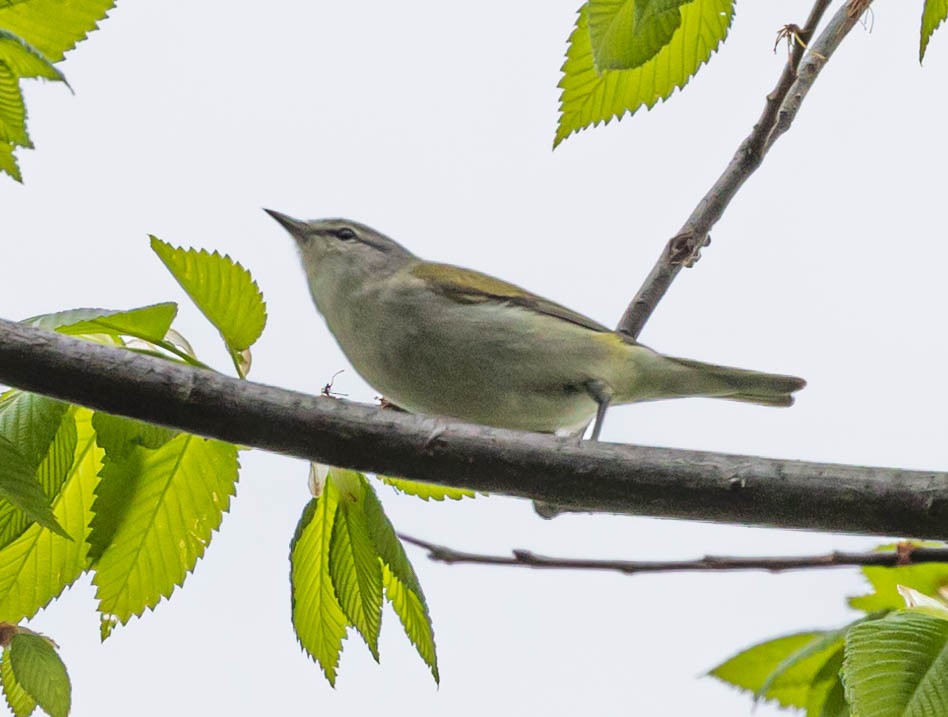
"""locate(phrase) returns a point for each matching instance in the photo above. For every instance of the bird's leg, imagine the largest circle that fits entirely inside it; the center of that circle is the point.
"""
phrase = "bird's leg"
(601, 394)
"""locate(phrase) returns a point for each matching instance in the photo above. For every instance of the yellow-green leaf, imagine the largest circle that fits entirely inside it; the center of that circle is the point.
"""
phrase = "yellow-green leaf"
(20, 487)
(221, 288)
(589, 97)
(934, 13)
(8, 162)
(12, 110)
(54, 466)
(40, 672)
(318, 619)
(427, 491)
(753, 669)
(927, 578)
(159, 521)
(628, 33)
(402, 587)
(24, 60)
(19, 702)
(118, 435)
(150, 323)
(54, 26)
(355, 569)
(39, 565)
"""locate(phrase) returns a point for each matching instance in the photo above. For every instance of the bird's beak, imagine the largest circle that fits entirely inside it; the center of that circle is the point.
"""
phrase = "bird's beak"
(293, 226)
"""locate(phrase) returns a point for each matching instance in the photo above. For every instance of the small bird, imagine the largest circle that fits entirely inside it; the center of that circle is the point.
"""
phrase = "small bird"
(443, 340)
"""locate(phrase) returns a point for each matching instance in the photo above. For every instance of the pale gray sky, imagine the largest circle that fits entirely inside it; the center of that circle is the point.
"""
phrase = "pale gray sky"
(433, 123)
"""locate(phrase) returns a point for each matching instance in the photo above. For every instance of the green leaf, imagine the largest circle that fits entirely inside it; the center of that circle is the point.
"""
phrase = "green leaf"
(24, 60)
(30, 421)
(933, 14)
(827, 696)
(318, 619)
(221, 288)
(20, 487)
(19, 702)
(589, 97)
(628, 33)
(426, 491)
(149, 323)
(927, 578)
(53, 27)
(898, 666)
(40, 672)
(155, 513)
(401, 583)
(355, 568)
(52, 470)
(17, 60)
(800, 664)
(797, 659)
(118, 436)
(12, 110)
(8, 162)
(39, 565)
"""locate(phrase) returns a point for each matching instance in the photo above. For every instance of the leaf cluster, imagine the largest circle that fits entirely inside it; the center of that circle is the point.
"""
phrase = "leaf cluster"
(136, 505)
(627, 54)
(890, 662)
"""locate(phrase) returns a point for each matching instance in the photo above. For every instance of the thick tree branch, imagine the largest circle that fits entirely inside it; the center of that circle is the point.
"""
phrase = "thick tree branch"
(907, 554)
(592, 476)
(780, 109)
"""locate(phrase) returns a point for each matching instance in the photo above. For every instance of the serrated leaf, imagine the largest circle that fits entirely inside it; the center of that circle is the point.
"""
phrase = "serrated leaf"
(8, 161)
(118, 435)
(402, 587)
(19, 702)
(927, 578)
(589, 97)
(18, 60)
(427, 491)
(898, 666)
(30, 421)
(51, 473)
(356, 571)
(173, 499)
(39, 565)
(752, 668)
(149, 323)
(628, 33)
(54, 27)
(40, 672)
(221, 288)
(827, 696)
(318, 619)
(24, 60)
(20, 487)
(800, 664)
(12, 110)
(934, 13)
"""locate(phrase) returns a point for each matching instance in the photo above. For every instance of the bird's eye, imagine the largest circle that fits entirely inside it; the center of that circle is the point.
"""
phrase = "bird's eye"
(344, 233)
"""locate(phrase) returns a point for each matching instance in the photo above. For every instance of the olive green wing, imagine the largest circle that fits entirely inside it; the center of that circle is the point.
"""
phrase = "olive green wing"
(467, 286)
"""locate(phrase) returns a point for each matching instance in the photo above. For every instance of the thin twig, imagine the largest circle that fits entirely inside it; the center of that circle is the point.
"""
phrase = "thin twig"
(906, 554)
(781, 107)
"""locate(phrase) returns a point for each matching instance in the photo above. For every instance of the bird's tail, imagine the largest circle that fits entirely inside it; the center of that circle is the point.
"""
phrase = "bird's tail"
(657, 376)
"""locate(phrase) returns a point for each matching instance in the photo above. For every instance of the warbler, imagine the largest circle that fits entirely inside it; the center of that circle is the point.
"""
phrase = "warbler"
(443, 340)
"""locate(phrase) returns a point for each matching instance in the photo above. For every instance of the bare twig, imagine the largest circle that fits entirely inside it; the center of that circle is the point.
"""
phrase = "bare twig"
(781, 107)
(589, 476)
(906, 554)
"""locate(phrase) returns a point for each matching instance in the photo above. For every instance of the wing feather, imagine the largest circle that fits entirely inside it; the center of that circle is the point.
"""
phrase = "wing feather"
(467, 286)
